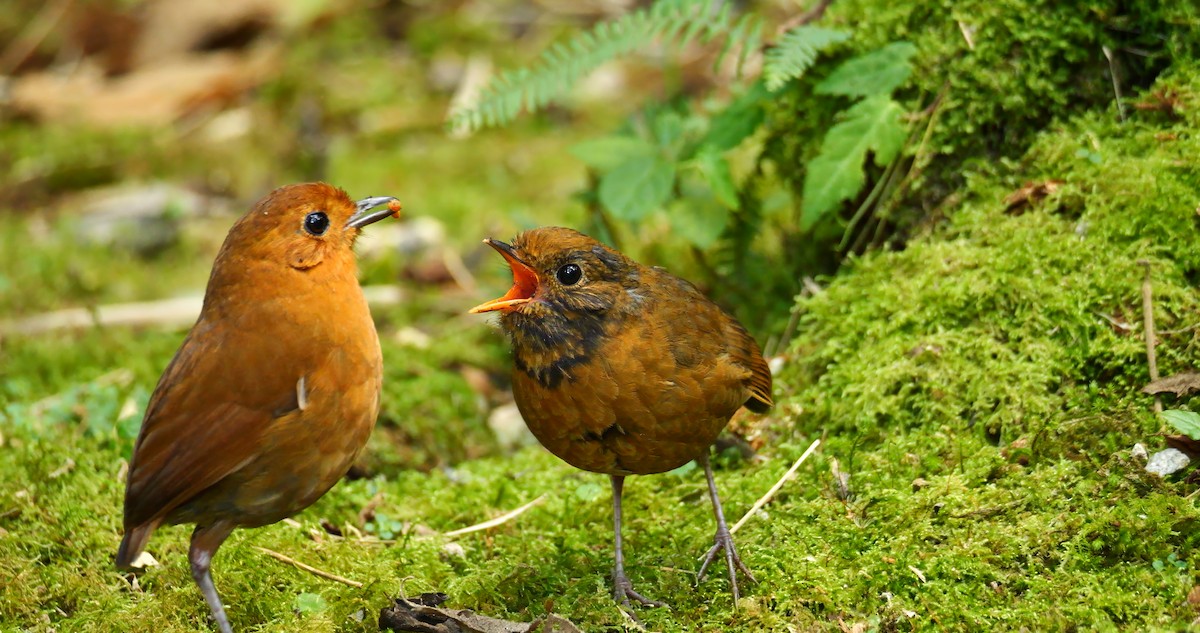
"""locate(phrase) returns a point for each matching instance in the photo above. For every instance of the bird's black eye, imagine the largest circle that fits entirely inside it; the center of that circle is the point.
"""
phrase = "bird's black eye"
(569, 274)
(316, 223)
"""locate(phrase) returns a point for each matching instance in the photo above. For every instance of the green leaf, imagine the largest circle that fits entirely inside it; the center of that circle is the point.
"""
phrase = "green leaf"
(738, 120)
(876, 73)
(637, 187)
(836, 174)
(795, 53)
(605, 153)
(715, 170)
(589, 491)
(668, 128)
(700, 221)
(309, 603)
(1186, 422)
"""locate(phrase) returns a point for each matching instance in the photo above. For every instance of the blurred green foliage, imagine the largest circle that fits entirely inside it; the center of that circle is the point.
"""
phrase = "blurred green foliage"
(827, 174)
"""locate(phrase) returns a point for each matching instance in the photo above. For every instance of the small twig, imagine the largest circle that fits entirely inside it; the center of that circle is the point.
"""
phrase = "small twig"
(1180, 330)
(309, 568)
(1112, 70)
(968, 33)
(812, 15)
(1124, 327)
(504, 518)
(765, 499)
(21, 47)
(1148, 326)
(180, 311)
(458, 270)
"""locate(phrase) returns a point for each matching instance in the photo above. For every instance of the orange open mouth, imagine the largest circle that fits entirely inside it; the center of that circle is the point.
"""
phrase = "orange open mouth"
(525, 281)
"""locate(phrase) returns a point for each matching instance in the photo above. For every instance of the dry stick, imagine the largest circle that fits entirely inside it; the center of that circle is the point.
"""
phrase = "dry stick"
(179, 311)
(35, 31)
(496, 521)
(812, 15)
(1112, 71)
(308, 568)
(1148, 326)
(765, 499)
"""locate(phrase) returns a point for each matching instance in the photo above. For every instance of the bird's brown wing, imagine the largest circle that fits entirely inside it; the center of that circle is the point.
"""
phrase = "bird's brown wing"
(692, 306)
(205, 418)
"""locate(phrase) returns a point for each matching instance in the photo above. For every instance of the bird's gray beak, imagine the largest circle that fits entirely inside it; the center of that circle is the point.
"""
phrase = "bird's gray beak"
(364, 215)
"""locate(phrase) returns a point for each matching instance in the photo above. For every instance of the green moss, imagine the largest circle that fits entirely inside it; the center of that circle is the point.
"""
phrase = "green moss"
(988, 77)
(980, 388)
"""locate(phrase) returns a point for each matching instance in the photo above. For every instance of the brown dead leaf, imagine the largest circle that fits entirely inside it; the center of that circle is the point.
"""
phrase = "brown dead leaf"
(330, 528)
(1179, 384)
(481, 382)
(1016, 202)
(423, 615)
(1184, 444)
(1160, 100)
(152, 95)
(1193, 597)
(367, 513)
(173, 28)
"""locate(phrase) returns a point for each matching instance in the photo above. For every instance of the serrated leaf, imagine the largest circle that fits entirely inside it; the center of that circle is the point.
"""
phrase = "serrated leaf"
(715, 170)
(636, 187)
(309, 603)
(795, 53)
(836, 174)
(876, 73)
(738, 120)
(1186, 422)
(606, 153)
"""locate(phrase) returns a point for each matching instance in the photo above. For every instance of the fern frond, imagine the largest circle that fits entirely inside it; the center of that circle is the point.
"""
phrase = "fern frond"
(559, 68)
(795, 53)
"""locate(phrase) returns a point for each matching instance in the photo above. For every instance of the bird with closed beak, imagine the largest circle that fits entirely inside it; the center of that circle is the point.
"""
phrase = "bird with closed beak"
(624, 369)
(275, 390)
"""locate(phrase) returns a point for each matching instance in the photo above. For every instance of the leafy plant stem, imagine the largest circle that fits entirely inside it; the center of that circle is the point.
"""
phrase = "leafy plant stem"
(866, 205)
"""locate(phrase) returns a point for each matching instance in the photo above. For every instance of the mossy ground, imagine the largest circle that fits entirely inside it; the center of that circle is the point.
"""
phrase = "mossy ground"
(980, 388)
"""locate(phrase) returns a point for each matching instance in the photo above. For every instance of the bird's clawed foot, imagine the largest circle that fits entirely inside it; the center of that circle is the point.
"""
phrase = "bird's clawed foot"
(723, 540)
(623, 592)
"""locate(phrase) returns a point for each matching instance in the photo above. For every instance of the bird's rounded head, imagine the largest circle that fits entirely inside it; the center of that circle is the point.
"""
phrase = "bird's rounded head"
(564, 283)
(303, 226)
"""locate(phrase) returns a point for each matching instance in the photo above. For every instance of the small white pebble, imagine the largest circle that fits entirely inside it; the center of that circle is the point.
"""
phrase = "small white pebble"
(1139, 452)
(1167, 461)
(143, 561)
(412, 337)
(455, 550)
(776, 365)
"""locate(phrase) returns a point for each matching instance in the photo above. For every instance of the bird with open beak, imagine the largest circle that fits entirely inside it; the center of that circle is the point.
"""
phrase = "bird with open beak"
(624, 369)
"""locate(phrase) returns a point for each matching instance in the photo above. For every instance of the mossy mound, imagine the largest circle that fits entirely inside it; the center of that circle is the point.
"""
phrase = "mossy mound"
(997, 364)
